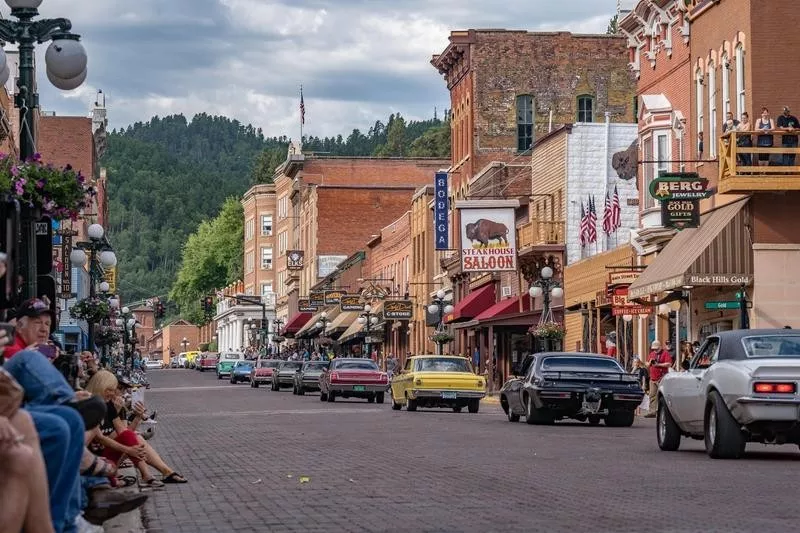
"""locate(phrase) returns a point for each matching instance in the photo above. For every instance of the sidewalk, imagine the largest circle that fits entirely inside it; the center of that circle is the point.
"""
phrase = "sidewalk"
(493, 399)
(127, 522)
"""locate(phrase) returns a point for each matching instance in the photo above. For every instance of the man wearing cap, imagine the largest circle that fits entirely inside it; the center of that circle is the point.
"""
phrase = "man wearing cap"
(34, 319)
(658, 362)
(788, 122)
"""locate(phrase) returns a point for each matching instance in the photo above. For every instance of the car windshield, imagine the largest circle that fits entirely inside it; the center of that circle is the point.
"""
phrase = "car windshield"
(443, 364)
(316, 365)
(366, 364)
(580, 364)
(772, 346)
(244, 363)
(231, 356)
(268, 364)
(292, 365)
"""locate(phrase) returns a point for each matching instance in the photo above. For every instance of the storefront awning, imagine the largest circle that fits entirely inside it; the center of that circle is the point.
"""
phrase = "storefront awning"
(310, 328)
(508, 306)
(294, 324)
(472, 304)
(715, 254)
(342, 321)
(352, 332)
(356, 330)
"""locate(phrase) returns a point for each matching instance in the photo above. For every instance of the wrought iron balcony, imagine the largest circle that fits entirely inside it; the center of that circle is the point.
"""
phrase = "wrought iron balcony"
(540, 233)
(739, 166)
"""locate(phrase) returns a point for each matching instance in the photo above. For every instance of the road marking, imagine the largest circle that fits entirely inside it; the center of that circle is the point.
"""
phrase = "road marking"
(208, 387)
(270, 412)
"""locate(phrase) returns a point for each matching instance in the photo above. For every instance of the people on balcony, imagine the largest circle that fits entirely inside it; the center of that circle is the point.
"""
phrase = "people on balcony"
(765, 124)
(788, 122)
(743, 140)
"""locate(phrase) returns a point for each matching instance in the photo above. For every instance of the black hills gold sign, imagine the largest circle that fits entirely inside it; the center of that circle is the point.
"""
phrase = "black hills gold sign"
(304, 306)
(398, 309)
(317, 298)
(351, 302)
(333, 296)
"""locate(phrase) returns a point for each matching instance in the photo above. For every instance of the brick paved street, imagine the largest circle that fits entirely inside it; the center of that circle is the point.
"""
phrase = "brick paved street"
(372, 469)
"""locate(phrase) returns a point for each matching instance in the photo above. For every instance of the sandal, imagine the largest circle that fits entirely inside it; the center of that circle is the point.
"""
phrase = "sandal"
(123, 481)
(100, 467)
(174, 478)
(151, 483)
(126, 463)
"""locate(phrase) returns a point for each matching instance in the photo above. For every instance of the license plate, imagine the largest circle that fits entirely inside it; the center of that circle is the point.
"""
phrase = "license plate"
(449, 395)
(359, 388)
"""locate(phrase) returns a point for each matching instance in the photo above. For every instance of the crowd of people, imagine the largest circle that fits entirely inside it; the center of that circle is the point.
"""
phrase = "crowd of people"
(62, 443)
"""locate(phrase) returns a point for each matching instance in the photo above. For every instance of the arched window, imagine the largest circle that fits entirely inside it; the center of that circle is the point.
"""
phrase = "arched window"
(740, 90)
(524, 122)
(699, 117)
(585, 108)
(726, 86)
(711, 142)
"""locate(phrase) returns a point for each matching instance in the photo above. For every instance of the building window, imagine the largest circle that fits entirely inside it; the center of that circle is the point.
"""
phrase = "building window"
(250, 262)
(712, 110)
(266, 259)
(740, 91)
(283, 206)
(249, 229)
(726, 87)
(699, 95)
(283, 240)
(585, 108)
(266, 288)
(266, 225)
(636, 109)
(649, 172)
(524, 122)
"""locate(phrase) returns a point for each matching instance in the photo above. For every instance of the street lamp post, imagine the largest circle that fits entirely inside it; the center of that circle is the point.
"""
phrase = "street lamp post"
(185, 344)
(321, 325)
(66, 69)
(99, 249)
(127, 322)
(440, 307)
(547, 288)
(277, 324)
(368, 319)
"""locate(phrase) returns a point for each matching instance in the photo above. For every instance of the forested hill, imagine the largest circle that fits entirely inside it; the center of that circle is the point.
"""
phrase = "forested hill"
(169, 174)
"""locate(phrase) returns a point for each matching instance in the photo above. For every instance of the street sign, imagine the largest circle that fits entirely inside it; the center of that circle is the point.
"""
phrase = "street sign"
(722, 305)
(679, 186)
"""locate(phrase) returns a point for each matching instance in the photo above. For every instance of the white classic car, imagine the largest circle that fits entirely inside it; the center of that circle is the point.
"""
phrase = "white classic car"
(740, 387)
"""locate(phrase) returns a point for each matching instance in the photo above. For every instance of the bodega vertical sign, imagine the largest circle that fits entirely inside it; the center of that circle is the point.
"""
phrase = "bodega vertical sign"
(441, 206)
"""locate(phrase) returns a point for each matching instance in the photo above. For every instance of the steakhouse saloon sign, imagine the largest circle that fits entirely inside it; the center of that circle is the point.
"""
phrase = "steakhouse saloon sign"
(488, 235)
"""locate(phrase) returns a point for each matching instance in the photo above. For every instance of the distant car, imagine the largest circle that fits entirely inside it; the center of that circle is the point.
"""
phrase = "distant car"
(308, 377)
(182, 359)
(153, 364)
(207, 361)
(262, 371)
(353, 378)
(241, 371)
(173, 362)
(556, 385)
(740, 387)
(437, 381)
(283, 375)
(226, 362)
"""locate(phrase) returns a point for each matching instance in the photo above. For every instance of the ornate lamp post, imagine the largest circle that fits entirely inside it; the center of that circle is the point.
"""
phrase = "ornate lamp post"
(127, 322)
(440, 307)
(277, 324)
(547, 288)
(99, 249)
(321, 325)
(66, 69)
(368, 319)
(185, 344)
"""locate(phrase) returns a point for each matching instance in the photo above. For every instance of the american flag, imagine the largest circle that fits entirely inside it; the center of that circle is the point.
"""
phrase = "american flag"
(616, 211)
(584, 225)
(608, 225)
(592, 234)
(302, 107)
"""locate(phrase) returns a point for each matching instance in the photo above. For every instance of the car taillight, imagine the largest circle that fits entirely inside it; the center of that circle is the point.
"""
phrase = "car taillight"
(384, 378)
(334, 376)
(764, 387)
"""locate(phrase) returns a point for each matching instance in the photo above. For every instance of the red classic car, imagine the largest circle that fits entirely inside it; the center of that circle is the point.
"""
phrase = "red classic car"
(262, 371)
(357, 378)
(207, 361)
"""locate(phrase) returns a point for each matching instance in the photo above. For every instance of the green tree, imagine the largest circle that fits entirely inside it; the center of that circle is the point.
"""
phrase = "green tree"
(212, 258)
(613, 25)
(435, 142)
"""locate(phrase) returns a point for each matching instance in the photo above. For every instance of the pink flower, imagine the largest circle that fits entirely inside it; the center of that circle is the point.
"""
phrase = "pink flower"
(19, 186)
(40, 184)
(14, 171)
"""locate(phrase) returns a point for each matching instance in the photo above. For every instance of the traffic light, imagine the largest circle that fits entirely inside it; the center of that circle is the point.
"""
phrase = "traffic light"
(208, 306)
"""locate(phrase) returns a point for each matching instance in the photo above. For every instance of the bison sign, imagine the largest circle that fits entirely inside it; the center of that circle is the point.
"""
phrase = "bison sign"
(488, 238)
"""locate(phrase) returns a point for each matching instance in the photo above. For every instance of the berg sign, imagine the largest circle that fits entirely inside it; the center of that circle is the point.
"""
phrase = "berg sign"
(488, 235)
(679, 186)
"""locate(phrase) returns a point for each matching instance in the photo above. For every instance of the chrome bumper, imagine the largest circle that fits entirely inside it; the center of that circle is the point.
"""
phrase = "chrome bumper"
(380, 387)
(437, 393)
(750, 409)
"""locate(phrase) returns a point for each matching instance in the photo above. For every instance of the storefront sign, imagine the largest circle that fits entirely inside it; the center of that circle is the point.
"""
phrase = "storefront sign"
(398, 309)
(304, 306)
(441, 208)
(110, 277)
(351, 302)
(680, 214)
(326, 264)
(679, 186)
(718, 279)
(622, 277)
(718, 306)
(317, 298)
(333, 297)
(488, 235)
(66, 272)
(656, 287)
(632, 310)
(294, 259)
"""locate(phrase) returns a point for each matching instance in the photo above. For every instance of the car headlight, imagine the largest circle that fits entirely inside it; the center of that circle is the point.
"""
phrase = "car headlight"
(479, 383)
(418, 382)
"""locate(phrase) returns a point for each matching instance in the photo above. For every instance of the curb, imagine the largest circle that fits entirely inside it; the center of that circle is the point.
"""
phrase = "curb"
(127, 522)
(494, 400)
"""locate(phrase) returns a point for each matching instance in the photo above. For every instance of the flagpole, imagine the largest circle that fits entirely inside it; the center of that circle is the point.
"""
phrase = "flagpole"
(302, 115)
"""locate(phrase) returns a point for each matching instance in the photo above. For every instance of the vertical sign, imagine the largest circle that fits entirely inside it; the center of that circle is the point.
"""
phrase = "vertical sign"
(440, 212)
(66, 272)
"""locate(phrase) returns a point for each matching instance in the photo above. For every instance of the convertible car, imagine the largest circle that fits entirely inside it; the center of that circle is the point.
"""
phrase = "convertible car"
(556, 385)
(740, 387)
(437, 381)
(353, 378)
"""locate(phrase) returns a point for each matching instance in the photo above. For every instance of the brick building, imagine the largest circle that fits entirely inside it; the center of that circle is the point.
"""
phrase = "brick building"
(424, 267)
(259, 242)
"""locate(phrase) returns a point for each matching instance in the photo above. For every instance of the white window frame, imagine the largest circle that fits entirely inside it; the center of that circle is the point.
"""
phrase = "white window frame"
(712, 110)
(699, 96)
(266, 285)
(661, 162)
(267, 259)
(648, 171)
(740, 78)
(283, 206)
(283, 241)
(250, 262)
(726, 86)
(264, 231)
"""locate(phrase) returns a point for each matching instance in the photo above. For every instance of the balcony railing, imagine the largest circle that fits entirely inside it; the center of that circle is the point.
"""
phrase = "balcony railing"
(739, 169)
(540, 233)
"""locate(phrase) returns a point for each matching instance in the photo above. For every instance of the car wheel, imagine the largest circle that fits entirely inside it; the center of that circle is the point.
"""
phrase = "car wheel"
(219, 376)
(473, 406)
(331, 396)
(294, 390)
(668, 433)
(723, 435)
(274, 386)
(395, 406)
(301, 391)
(594, 420)
(252, 383)
(536, 416)
(457, 409)
(512, 417)
(322, 396)
(371, 398)
(379, 397)
(255, 384)
(411, 405)
(233, 381)
(620, 419)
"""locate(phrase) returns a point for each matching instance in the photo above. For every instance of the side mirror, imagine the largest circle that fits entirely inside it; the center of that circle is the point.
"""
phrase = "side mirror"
(685, 364)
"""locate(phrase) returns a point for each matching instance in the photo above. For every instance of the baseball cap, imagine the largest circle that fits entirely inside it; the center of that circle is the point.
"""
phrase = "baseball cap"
(124, 381)
(33, 308)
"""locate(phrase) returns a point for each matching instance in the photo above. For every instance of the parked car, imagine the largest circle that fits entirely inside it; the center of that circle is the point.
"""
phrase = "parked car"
(740, 387)
(262, 371)
(556, 385)
(173, 362)
(153, 364)
(283, 375)
(437, 381)
(182, 360)
(207, 361)
(226, 362)
(241, 371)
(191, 358)
(353, 378)
(307, 379)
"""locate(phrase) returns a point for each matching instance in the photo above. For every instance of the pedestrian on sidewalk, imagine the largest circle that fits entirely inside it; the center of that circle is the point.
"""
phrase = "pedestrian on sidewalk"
(658, 362)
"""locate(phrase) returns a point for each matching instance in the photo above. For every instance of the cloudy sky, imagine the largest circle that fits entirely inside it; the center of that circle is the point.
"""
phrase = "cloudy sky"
(358, 60)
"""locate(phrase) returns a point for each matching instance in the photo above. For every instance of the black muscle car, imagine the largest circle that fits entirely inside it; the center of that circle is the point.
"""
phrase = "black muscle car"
(556, 385)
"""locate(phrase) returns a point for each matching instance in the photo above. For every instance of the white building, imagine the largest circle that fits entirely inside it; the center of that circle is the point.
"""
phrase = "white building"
(234, 321)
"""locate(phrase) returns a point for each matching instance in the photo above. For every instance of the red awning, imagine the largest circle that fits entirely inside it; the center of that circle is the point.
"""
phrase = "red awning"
(294, 324)
(472, 304)
(509, 306)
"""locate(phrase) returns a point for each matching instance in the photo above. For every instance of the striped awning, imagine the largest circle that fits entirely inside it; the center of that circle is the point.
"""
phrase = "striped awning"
(717, 253)
(342, 321)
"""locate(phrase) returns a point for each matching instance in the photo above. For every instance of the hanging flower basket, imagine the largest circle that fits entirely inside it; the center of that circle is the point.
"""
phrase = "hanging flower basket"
(548, 330)
(106, 336)
(442, 337)
(90, 309)
(278, 338)
(325, 341)
(58, 192)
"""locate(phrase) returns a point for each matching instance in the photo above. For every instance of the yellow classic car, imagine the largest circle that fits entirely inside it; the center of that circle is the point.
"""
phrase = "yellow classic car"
(437, 381)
